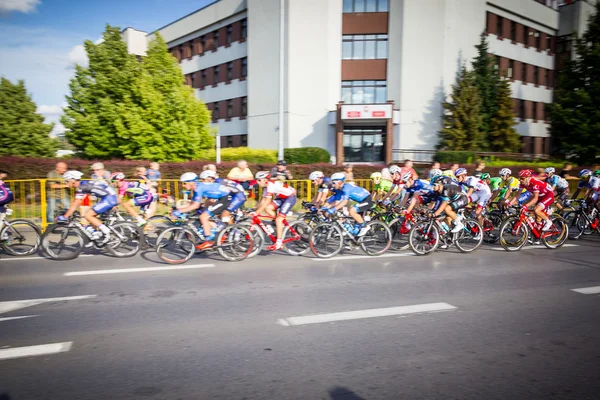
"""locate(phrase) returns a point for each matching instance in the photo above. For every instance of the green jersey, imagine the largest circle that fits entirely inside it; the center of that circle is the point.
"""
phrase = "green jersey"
(383, 186)
(495, 183)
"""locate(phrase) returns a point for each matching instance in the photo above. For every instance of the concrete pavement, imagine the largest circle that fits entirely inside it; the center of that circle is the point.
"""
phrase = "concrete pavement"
(487, 325)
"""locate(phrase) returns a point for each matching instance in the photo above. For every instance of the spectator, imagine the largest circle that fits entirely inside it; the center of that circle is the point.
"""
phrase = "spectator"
(98, 171)
(566, 170)
(209, 167)
(480, 168)
(349, 174)
(385, 173)
(434, 165)
(241, 174)
(141, 174)
(408, 167)
(541, 173)
(454, 167)
(280, 171)
(57, 192)
(153, 173)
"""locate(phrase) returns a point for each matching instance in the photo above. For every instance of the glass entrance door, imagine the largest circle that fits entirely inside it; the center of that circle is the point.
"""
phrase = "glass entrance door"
(364, 144)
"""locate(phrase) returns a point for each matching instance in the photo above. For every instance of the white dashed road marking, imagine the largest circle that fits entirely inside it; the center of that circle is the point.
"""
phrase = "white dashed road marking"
(129, 270)
(365, 256)
(588, 290)
(31, 351)
(6, 306)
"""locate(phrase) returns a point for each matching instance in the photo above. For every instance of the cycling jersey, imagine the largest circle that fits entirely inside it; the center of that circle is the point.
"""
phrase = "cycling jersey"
(326, 186)
(279, 189)
(99, 189)
(419, 187)
(134, 189)
(6, 196)
(451, 192)
(384, 186)
(476, 184)
(350, 192)
(210, 191)
(495, 183)
(558, 182)
(544, 190)
(511, 183)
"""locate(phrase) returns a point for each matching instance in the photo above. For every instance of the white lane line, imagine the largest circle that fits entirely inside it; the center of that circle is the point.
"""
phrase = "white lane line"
(360, 257)
(20, 317)
(40, 258)
(128, 270)
(31, 351)
(6, 306)
(375, 312)
(588, 290)
(529, 247)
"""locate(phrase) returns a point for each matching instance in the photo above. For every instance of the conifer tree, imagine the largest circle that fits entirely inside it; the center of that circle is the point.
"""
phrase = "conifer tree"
(487, 82)
(502, 136)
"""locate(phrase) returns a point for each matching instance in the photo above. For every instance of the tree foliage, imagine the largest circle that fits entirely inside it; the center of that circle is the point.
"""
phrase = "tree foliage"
(22, 131)
(121, 107)
(575, 113)
(487, 82)
(461, 122)
(502, 136)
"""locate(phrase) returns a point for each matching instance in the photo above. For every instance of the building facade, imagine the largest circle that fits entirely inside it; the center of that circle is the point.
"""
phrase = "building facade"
(362, 78)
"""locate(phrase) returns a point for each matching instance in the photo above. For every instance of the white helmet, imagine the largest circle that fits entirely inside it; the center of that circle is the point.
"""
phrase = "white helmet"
(435, 172)
(394, 169)
(262, 175)
(338, 176)
(406, 177)
(208, 174)
(315, 175)
(550, 170)
(72, 175)
(505, 172)
(188, 177)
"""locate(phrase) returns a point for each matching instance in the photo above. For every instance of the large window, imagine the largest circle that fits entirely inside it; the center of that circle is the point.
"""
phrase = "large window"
(229, 108)
(244, 28)
(216, 75)
(364, 92)
(216, 115)
(229, 71)
(360, 6)
(244, 67)
(229, 38)
(499, 26)
(364, 47)
(244, 106)
(364, 144)
(511, 67)
(216, 39)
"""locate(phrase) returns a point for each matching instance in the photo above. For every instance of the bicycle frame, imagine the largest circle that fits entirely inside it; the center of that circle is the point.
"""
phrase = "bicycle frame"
(256, 220)
(533, 226)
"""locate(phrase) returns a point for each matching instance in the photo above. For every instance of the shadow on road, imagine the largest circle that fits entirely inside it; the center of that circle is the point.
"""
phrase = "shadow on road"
(341, 393)
(5, 396)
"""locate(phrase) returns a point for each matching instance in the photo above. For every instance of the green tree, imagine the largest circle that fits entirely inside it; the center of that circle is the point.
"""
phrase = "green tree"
(502, 136)
(461, 122)
(575, 114)
(487, 82)
(22, 131)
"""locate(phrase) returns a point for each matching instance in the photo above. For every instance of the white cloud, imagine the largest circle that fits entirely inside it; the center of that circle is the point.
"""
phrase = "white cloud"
(78, 56)
(52, 114)
(24, 6)
(48, 111)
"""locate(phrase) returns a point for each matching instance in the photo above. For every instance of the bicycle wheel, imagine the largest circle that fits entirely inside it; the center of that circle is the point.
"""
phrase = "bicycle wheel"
(424, 238)
(557, 235)
(400, 231)
(470, 237)
(175, 245)
(126, 239)
(62, 242)
(235, 242)
(154, 227)
(377, 240)
(582, 226)
(258, 237)
(301, 246)
(326, 240)
(492, 224)
(20, 237)
(513, 234)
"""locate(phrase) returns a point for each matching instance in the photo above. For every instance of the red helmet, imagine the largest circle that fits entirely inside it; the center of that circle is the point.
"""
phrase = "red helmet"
(525, 173)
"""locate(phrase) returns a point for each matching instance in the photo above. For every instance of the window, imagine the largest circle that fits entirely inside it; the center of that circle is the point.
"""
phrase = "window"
(547, 77)
(535, 113)
(191, 47)
(361, 6)
(536, 74)
(216, 75)
(229, 38)
(364, 47)
(229, 108)
(499, 23)
(547, 111)
(244, 106)
(181, 53)
(216, 115)
(244, 140)
(513, 30)
(364, 92)
(244, 28)
(216, 39)
(523, 73)
(203, 77)
(244, 67)
(203, 42)
(522, 109)
(192, 79)
(538, 40)
(364, 144)
(509, 72)
(549, 43)
(229, 71)
(497, 63)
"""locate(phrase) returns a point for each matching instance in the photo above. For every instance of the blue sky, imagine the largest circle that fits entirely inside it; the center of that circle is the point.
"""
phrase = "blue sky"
(41, 40)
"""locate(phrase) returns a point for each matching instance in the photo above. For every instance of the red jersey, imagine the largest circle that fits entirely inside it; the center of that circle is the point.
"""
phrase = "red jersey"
(542, 188)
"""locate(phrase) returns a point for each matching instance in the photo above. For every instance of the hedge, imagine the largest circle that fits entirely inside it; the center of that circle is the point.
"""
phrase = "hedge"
(461, 157)
(242, 153)
(306, 155)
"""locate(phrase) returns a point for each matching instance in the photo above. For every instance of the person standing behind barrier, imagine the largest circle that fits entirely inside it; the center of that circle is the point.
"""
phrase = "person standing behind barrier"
(349, 174)
(280, 172)
(241, 174)
(57, 192)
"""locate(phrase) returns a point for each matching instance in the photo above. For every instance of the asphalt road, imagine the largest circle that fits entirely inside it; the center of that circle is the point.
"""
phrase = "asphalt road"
(487, 325)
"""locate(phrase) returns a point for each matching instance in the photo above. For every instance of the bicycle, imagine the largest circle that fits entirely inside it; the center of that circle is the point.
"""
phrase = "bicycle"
(295, 235)
(18, 237)
(583, 221)
(328, 238)
(426, 235)
(516, 231)
(65, 241)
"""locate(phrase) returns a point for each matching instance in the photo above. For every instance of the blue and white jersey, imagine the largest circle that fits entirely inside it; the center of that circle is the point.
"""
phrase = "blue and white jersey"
(209, 191)
(326, 186)
(419, 187)
(350, 192)
(99, 189)
(558, 182)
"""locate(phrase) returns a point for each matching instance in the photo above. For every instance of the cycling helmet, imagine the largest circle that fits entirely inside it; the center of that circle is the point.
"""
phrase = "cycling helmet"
(338, 176)
(460, 171)
(505, 172)
(376, 175)
(406, 177)
(394, 169)
(550, 170)
(262, 175)
(448, 173)
(117, 176)
(442, 180)
(188, 177)
(485, 176)
(584, 173)
(315, 175)
(525, 173)
(208, 174)
(72, 175)
(597, 172)
(435, 172)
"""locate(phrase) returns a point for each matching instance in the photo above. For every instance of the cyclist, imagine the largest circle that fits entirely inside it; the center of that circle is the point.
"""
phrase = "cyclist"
(381, 186)
(452, 199)
(450, 174)
(140, 194)
(509, 183)
(6, 195)
(415, 187)
(494, 184)
(102, 191)
(323, 185)
(397, 185)
(277, 196)
(590, 184)
(477, 191)
(237, 195)
(345, 192)
(559, 184)
(542, 196)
